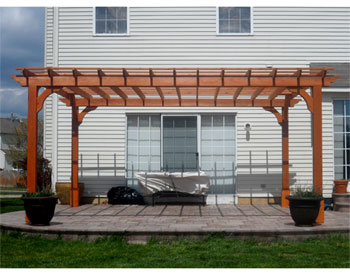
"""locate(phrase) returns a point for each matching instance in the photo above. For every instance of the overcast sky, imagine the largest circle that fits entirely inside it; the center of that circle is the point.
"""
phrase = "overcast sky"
(21, 45)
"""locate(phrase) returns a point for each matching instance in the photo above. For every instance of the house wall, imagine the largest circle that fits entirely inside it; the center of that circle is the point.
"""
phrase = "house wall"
(186, 36)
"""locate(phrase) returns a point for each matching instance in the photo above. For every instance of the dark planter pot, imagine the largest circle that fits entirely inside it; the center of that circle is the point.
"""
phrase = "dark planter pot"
(40, 210)
(304, 211)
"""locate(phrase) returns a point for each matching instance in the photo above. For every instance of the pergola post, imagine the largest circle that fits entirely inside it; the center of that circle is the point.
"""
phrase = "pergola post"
(32, 138)
(285, 154)
(317, 146)
(74, 194)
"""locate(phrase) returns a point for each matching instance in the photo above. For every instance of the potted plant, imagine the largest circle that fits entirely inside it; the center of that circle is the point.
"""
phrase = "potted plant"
(40, 206)
(304, 205)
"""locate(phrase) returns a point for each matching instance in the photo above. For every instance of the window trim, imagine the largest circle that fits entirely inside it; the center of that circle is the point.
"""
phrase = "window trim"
(235, 34)
(111, 34)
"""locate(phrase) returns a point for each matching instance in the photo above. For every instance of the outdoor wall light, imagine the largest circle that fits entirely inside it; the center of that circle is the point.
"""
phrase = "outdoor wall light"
(247, 131)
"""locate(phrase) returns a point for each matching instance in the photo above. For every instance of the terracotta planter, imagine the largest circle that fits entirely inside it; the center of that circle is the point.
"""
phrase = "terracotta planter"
(340, 186)
(40, 210)
(63, 191)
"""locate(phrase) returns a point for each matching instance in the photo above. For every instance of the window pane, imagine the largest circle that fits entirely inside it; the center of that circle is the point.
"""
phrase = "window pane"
(111, 13)
(245, 26)
(132, 121)
(347, 129)
(338, 124)
(234, 26)
(339, 172)
(234, 13)
(122, 13)
(224, 12)
(122, 26)
(101, 13)
(347, 107)
(338, 107)
(100, 26)
(339, 141)
(111, 26)
(223, 26)
(339, 157)
(245, 13)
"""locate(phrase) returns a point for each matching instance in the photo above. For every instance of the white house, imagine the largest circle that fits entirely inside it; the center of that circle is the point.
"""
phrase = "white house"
(7, 133)
(239, 147)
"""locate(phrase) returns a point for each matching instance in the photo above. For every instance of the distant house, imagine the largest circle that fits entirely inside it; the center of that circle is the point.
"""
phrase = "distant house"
(7, 132)
(240, 148)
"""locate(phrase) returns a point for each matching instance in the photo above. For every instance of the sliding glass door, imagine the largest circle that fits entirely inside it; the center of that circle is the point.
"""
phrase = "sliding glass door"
(180, 150)
(185, 143)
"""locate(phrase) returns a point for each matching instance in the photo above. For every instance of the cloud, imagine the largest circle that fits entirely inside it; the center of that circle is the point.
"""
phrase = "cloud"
(13, 100)
(21, 45)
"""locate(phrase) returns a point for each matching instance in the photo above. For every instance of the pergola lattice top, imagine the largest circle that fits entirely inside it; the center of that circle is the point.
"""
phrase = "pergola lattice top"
(187, 87)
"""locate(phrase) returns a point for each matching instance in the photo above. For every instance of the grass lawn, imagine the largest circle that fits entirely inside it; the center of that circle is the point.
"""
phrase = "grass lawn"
(10, 205)
(215, 251)
(13, 189)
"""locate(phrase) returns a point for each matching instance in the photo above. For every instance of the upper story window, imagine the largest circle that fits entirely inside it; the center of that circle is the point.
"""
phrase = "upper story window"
(111, 21)
(234, 20)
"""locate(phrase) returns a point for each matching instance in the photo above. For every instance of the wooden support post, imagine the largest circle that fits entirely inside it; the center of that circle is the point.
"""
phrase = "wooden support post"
(285, 154)
(32, 139)
(317, 146)
(32, 135)
(74, 194)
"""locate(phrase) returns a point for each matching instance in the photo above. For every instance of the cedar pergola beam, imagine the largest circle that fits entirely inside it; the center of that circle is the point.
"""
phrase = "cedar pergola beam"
(161, 95)
(119, 92)
(255, 94)
(276, 93)
(138, 91)
(237, 92)
(217, 91)
(79, 91)
(179, 77)
(170, 102)
(178, 94)
(100, 92)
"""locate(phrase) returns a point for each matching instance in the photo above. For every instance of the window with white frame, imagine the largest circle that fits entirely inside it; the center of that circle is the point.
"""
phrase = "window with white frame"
(111, 20)
(234, 20)
(341, 111)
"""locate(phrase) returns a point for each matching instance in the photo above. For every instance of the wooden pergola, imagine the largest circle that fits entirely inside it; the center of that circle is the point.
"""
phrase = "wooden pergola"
(268, 88)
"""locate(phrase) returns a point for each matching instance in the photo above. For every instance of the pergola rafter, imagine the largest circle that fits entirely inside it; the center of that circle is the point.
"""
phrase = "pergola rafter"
(186, 87)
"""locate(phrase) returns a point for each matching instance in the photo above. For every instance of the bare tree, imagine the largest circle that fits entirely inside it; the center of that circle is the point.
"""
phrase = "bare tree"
(17, 151)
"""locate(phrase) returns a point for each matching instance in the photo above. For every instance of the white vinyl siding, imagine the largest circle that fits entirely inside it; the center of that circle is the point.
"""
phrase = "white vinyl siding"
(48, 108)
(186, 37)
